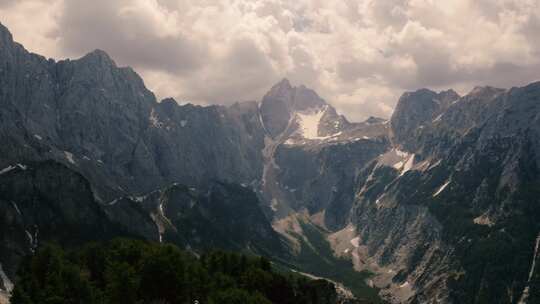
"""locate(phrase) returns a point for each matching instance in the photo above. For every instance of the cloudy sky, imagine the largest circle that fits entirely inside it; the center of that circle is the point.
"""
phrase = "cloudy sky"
(360, 55)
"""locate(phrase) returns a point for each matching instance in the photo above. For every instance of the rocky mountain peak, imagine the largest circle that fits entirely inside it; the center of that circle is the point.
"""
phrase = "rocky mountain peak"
(484, 92)
(169, 100)
(282, 101)
(98, 56)
(450, 93)
(282, 90)
(416, 105)
(306, 98)
(414, 109)
(5, 35)
(283, 83)
(296, 98)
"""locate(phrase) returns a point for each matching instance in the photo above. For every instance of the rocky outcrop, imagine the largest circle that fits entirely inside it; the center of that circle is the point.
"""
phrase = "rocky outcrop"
(193, 144)
(414, 110)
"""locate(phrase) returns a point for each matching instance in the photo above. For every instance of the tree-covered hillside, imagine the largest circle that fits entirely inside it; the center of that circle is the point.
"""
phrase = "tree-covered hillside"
(129, 271)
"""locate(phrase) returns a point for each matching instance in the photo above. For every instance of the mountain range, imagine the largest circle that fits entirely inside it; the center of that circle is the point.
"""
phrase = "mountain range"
(438, 204)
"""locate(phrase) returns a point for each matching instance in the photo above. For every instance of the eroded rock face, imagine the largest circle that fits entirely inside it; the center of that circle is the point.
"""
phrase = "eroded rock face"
(469, 188)
(101, 120)
(414, 110)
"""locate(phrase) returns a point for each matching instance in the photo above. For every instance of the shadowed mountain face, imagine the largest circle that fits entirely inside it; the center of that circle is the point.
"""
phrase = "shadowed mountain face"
(462, 198)
(47, 202)
(101, 120)
(441, 202)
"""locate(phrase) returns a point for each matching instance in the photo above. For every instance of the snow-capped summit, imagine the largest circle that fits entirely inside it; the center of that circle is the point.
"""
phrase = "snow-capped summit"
(282, 101)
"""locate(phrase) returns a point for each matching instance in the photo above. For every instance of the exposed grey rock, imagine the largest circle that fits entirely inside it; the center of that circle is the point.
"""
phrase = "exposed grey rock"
(113, 130)
(414, 110)
(472, 178)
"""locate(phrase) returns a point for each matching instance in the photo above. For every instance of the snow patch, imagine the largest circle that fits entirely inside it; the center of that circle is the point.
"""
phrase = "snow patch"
(404, 285)
(33, 239)
(274, 204)
(154, 119)
(441, 189)
(16, 207)
(5, 280)
(525, 294)
(12, 167)
(309, 123)
(401, 153)
(69, 157)
(29, 236)
(161, 209)
(183, 123)
(38, 137)
(483, 220)
(408, 165)
(138, 199)
(398, 165)
(434, 165)
(397, 159)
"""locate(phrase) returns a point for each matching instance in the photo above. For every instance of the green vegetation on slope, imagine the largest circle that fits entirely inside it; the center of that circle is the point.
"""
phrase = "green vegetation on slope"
(129, 271)
(317, 257)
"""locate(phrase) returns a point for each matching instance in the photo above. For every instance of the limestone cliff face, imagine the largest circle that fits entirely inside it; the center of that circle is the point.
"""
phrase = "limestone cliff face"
(100, 120)
(465, 184)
